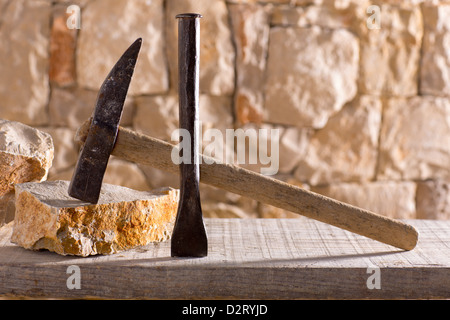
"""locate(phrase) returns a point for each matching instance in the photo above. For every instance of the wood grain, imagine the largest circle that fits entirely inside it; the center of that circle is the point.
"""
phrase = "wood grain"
(146, 150)
(248, 259)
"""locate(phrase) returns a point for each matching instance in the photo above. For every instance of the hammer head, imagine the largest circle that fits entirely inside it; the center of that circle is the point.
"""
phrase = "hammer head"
(94, 155)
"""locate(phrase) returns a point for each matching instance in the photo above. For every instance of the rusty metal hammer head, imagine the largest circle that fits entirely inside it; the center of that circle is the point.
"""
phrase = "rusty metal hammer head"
(94, 155)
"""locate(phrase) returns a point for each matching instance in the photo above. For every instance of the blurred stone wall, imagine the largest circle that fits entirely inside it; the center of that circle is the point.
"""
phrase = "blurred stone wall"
(360, 90)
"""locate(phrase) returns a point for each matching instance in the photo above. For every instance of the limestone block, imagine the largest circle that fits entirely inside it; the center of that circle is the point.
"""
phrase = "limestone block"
(215, 112)
(287, 15)
(390, 55)
(346, 149)
(350, 14)
(24, 42)
(216, 47)
(62, 49)
(392, 199)
(433, 199)
(415, 139)
(435, 64)
(311, 74)
(26, 154)
(47, 218)
(109, 27)
(251, 36)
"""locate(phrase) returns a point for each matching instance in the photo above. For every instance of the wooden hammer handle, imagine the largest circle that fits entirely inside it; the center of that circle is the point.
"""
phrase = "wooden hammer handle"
(153, 152)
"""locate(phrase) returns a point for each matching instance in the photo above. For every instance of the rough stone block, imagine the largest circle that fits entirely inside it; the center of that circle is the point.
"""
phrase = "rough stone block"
(346, 149)
(433, 199)
(26, 154)
(47, 218)
(251, 36)
(108, 28)
(390, 55)
(62, 49)
(349, 14)
(24, 55)
(311, 73)
(435, 63)
(415, 139)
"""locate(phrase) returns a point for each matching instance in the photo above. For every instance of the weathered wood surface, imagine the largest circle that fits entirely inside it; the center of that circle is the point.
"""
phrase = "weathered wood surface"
(248, 259)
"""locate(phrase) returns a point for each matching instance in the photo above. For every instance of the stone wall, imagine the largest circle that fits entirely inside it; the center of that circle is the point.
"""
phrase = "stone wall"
(364, 112)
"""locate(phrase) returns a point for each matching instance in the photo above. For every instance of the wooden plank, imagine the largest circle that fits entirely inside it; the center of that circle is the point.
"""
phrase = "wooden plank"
(248, 259)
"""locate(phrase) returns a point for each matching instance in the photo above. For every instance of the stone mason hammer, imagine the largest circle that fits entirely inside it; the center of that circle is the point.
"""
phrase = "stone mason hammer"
(94, 155)
(153, 152)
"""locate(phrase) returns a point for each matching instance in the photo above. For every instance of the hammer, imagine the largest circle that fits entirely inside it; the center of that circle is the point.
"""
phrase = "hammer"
(139, 148)
(94, 155)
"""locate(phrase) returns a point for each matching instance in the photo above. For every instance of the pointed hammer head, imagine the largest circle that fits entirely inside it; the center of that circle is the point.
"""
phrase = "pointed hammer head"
(94, 155)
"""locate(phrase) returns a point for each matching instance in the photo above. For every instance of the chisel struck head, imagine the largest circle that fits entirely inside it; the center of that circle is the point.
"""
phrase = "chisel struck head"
(94, 155)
